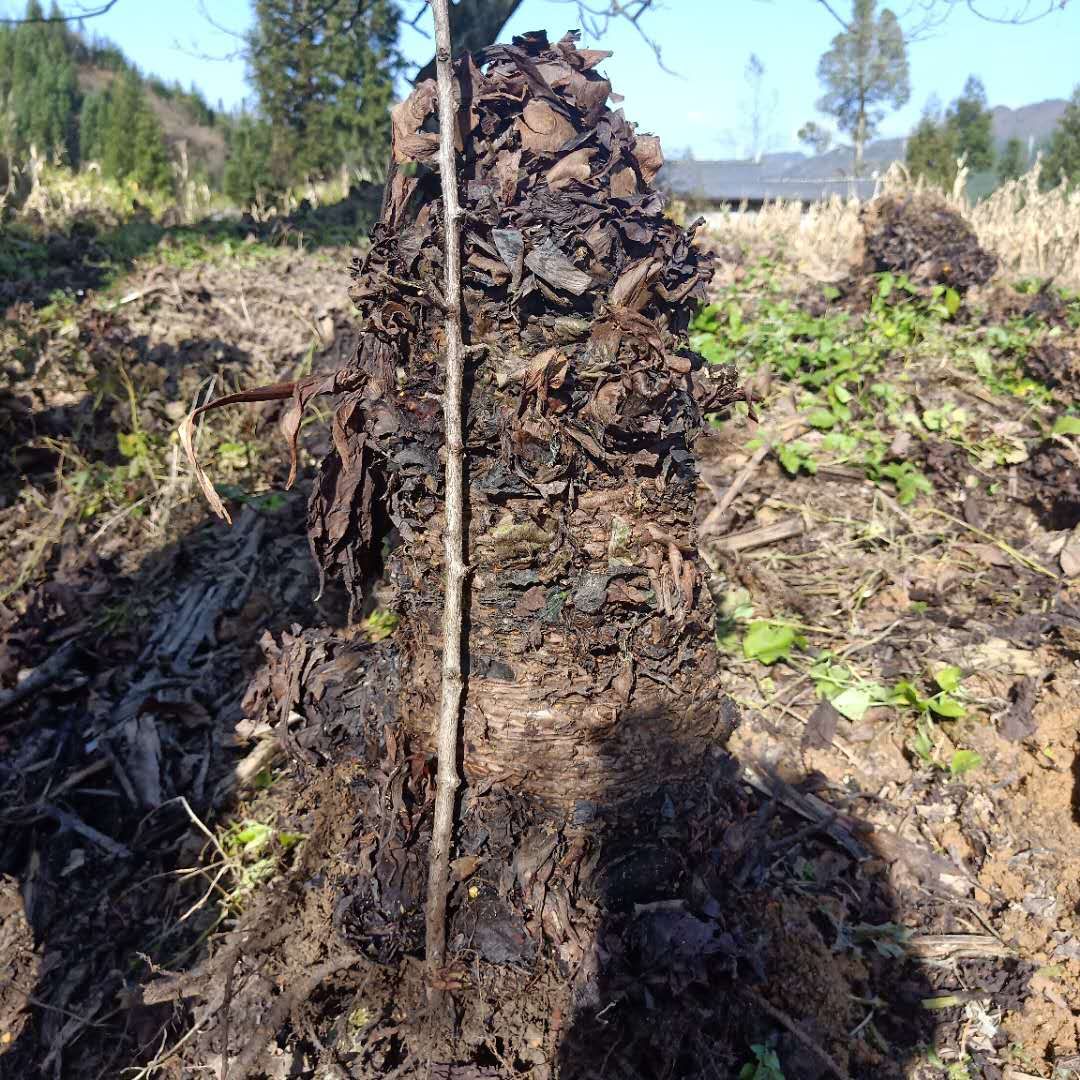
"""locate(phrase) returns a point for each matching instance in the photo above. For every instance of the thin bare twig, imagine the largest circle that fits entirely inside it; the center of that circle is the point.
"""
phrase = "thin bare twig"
(58, 17)
(447, 780)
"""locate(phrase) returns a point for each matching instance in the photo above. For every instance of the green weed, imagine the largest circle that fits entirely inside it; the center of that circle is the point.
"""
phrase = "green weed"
(768, 641)
(764, 1066)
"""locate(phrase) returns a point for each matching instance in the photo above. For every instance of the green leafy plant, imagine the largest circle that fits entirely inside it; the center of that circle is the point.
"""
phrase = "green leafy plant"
(941, 703)
(909, 481)
(380, 624)
(963, 761)
(768, 641)
(251, 852)
(797, 457)
(850, 696)
(735, 610)
(267, 501)
(949, 419)
(764, 1066)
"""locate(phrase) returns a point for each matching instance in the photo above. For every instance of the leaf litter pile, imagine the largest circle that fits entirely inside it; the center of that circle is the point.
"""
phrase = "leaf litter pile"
(629, 899)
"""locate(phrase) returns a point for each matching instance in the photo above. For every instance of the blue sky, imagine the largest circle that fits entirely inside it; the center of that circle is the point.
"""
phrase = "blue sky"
(707, 42)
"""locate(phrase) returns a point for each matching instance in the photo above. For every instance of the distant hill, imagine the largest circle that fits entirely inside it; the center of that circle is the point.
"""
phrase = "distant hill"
(798, 176)
(183, 118)
(1032, 124)
(1029, 121)
(79, 99)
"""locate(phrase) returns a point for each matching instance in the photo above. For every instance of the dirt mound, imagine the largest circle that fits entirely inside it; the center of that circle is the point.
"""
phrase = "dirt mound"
(584, 403)
(580, 949)
(611, 873)
(921, 236)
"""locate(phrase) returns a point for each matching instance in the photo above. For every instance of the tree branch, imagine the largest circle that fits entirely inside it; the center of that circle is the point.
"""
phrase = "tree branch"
(84, 13)
(596, 18)
(834, 13)
(447, 734)
(922, 17)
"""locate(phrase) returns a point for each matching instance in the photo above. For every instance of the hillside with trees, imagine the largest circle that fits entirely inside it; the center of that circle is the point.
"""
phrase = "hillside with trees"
(78, 100)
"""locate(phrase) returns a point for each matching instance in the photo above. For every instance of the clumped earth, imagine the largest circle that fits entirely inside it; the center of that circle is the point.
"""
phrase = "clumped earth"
(214, 821)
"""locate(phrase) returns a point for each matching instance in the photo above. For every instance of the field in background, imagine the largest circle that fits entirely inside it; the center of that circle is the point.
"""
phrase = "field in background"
(1035, 234)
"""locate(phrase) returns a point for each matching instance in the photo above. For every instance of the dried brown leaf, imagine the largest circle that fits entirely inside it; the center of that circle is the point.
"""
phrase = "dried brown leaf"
(649, 156)
(407, 118)
(624, 183)
(542, 129)
(572, 167)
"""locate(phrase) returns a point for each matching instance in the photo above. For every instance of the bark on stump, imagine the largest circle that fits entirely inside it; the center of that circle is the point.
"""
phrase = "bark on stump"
(592, 666)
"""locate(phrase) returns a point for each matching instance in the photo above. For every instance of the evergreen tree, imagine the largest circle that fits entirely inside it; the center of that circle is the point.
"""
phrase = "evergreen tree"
(247, 168)
(1062, 161)
(150, 166)
(360, 87)
(325, 83)
(1013, 162)
(93, 117)
(132, 142)
(38, 86)
(932, 150)
(864, 71)
(971, 123)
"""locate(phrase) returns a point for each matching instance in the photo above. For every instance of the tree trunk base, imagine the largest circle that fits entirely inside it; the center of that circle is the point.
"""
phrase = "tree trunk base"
(652, 933)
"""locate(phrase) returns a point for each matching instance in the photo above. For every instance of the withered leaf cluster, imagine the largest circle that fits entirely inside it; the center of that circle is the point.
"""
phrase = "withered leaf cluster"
(920, 235)
(577, 294)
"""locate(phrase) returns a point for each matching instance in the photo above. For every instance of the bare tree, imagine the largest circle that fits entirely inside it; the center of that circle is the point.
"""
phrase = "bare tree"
(922, 18)
(759, 108)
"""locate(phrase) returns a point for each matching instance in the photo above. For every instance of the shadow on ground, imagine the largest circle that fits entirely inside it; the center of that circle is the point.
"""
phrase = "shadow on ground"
(125, 654)
(730, 920)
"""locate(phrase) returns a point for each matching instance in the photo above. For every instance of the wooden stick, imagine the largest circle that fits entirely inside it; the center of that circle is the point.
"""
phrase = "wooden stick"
(447, 734)
(786, 432)
(784, 529)
(42, 676)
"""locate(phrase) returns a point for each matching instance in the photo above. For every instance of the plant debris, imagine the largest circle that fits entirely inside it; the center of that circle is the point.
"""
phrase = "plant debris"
(918, 234)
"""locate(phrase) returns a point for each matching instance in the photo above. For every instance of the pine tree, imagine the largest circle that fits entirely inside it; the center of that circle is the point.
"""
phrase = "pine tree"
(932, 150)
(38, 86)
(93, 117)
(972, 125)
(1062, 161)
(247, 167)
(1013, 162)
(864, 71)
(364, 60)
(325, 83)
(132, 142)
(150, 166)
